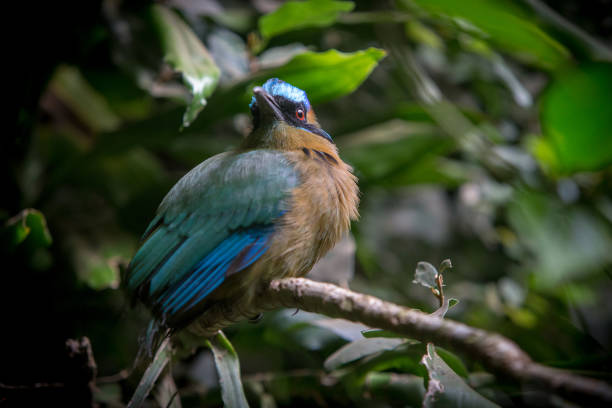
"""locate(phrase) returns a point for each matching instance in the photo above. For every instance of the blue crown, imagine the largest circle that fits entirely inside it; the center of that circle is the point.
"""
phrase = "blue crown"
(276, 87)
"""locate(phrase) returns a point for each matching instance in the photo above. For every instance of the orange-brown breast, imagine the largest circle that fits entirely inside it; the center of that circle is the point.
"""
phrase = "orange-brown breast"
(321, 210)
(319, 214)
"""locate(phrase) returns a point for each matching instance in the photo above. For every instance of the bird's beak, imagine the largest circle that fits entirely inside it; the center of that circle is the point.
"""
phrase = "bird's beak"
(268, 108)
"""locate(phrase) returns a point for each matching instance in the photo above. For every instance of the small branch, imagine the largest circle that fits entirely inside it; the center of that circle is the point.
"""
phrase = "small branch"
(499, 354)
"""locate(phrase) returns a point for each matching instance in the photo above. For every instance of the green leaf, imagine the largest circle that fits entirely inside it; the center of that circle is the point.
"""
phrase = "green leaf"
(327, 75)
(445, 388)
(29, 223)
(358, 349)
(186, 54)
(294, 15)
(453, 361)
(505, 25)
(228, 368)
(576, 117)
(426, 274)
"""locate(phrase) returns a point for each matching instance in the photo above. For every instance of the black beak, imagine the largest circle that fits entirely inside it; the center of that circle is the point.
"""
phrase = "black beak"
(268, 108)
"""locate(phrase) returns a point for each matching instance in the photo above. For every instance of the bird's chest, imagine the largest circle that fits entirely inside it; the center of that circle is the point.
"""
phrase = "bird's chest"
(319, 213)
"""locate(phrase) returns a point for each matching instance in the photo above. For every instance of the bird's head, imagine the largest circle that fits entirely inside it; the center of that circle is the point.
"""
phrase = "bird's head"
(283, 118)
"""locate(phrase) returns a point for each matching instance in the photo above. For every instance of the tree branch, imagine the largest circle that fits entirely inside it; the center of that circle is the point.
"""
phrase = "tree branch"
(499, 354)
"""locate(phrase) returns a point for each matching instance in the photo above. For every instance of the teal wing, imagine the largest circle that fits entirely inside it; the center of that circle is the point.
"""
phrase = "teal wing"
(216, 221)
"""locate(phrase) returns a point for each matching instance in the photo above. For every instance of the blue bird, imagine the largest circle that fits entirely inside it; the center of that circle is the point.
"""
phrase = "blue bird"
(267, 209)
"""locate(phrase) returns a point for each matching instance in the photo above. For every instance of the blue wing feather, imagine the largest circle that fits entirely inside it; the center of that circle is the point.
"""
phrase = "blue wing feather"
(245, 245)
(216, 221)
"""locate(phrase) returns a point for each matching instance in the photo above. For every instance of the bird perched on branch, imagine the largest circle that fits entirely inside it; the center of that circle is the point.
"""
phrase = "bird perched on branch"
(268, 209)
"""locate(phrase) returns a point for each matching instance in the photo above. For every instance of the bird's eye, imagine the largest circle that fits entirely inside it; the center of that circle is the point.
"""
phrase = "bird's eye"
(300, 114)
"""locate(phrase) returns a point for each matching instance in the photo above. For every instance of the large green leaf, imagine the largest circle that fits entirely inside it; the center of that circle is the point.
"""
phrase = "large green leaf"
(327, 75)
(576, 117)
(294, 15)
(505, 25)
(186, 53)
(228, 368)
(445, 388)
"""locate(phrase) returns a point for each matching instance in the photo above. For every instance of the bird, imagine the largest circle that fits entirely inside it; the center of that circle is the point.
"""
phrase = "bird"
(269, 208)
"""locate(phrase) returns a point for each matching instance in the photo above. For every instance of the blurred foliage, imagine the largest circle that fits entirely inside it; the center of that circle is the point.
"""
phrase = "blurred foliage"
(568, 124)
(479, 130)
(294, 15)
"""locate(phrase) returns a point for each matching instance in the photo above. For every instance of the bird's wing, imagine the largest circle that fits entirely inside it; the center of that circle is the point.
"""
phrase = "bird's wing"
(216, 221)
